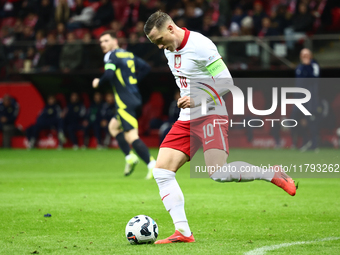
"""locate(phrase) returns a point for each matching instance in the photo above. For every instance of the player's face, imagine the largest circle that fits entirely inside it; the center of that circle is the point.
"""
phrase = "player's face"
(109, 98)
(107, 43)
(51, 100)
(97, 98)
(164, 38)
(305, 57)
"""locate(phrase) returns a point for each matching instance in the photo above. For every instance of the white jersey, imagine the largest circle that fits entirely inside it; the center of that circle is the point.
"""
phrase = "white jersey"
(188, 65)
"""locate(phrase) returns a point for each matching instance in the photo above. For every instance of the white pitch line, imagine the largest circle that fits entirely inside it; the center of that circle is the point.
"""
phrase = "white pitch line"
(264, 249)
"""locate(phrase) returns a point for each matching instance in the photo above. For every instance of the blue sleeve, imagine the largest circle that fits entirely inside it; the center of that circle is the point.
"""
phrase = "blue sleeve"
(142, 68)
(110, 64)
(107, 76)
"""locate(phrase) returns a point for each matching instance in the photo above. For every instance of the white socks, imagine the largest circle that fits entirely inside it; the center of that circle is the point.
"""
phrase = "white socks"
(242, 172)
(172, 198)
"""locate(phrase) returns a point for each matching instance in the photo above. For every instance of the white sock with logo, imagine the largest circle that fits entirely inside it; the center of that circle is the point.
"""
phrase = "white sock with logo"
(239, 171)
(172, 198)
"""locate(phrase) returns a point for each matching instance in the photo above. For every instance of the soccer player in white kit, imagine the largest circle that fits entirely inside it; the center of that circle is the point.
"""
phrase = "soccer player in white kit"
(193, 58)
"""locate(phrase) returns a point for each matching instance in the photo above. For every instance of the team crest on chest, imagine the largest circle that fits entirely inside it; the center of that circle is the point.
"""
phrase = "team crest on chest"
(178, 61)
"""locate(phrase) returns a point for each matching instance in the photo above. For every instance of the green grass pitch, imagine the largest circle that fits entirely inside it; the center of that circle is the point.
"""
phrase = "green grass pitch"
(91, 201)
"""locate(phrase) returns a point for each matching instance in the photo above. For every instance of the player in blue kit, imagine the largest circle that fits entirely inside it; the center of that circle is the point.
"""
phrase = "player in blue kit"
(123, 70)
(308, 68)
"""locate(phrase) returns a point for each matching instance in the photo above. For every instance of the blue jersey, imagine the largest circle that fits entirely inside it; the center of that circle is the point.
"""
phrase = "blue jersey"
(93, 113)
(304, 73)
(75, 112)
(50, 112)
(308, 71)
(123, 70)
(10, 112)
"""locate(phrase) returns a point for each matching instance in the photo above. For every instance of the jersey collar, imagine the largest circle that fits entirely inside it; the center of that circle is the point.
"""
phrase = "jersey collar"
(185, 39)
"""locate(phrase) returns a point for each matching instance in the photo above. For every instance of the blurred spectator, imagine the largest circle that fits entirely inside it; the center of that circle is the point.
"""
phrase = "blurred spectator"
(210, 27)
(18, 29)
(28, 34)
(92, 53)
(223, 30)
(49, 60)
(23, 8)
(7, 9)
(62, 12)
(40, 40)
(308, 125)
(134, 46)
(258, 15)
(107, 112)
(234, 29)
(302, 22)
(17, 60)
(49, 118)
(267, 29)
(71, 54)
(139, 29)
(116, 28)
(193, 17)
(278, 18)
(45, 15)
(83, 19)
(77, 8)
(6, 37)
(75, 118)
(247, 26)
(236, 51)
(104, 14)
(238, 15)
(61, 33)
(93, 119)
(31, 59)
(31, 20)
(131, 14)
(9, 110)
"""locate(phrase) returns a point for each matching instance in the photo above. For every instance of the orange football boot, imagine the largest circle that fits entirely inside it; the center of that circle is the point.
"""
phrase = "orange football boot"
(282, 180)
(177, 237)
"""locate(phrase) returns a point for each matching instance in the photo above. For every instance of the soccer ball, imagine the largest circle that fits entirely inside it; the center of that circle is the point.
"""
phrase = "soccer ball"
(141, 229)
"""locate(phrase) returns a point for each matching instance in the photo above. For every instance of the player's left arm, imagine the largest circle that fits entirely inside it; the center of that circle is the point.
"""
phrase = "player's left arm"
(110, 68)
(209, 56)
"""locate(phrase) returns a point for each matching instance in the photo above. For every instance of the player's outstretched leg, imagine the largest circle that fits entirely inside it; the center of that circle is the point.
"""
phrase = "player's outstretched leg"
(239, 171)
(171, 194)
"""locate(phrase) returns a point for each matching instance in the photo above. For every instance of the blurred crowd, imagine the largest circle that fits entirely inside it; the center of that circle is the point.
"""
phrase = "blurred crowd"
(78, 118)
(76, 115)
(50, 35)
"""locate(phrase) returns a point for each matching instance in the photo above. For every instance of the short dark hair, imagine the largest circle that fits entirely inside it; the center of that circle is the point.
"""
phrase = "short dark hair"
(157, 19)
(109, 32)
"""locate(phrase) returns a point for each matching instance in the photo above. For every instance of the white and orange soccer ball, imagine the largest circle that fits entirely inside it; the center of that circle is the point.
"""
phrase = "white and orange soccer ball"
(141, 229)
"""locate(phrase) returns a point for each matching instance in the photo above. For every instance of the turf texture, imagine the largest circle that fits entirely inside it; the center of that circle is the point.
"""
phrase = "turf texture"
(90, 202)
